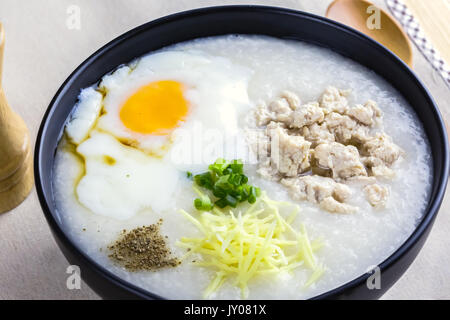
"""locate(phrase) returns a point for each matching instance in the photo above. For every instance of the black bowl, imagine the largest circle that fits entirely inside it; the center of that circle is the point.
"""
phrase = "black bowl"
(276, 22)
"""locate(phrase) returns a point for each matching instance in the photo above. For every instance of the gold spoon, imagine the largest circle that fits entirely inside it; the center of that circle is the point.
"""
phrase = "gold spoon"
(16, 161)
(364, 16)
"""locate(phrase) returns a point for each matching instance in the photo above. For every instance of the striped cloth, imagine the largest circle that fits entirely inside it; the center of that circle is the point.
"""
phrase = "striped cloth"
(412, 27)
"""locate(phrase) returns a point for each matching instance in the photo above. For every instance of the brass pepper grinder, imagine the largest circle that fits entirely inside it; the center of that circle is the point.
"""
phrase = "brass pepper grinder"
(16, 169)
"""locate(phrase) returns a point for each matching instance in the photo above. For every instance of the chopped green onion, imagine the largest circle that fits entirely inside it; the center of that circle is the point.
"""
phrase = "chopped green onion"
(219, 166)
(203, 203)
(232, 201)
(228, 184)
(204, 180)
(237, 166)
(221, 203)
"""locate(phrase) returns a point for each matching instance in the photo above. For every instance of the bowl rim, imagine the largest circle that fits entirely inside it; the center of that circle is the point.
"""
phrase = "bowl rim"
(427, 219)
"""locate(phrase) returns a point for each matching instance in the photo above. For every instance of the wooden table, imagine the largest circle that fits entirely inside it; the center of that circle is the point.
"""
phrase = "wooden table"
(41, 52)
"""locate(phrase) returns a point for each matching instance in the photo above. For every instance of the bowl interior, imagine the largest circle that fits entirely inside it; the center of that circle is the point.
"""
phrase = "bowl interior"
(276, 22)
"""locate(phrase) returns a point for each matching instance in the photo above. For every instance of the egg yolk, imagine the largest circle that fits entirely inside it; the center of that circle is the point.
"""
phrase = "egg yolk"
(155, 108)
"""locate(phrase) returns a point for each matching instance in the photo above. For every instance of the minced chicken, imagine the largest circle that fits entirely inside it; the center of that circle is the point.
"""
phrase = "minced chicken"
(315, 149)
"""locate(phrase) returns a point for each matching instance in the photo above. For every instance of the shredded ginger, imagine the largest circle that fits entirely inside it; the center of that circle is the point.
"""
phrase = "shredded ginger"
(259, 241)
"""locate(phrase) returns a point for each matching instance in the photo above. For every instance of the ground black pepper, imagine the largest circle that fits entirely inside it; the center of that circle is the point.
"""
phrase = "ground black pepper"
(142, 249)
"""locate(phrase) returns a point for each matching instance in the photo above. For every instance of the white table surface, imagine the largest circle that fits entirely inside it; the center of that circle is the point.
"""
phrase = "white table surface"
(41, 52)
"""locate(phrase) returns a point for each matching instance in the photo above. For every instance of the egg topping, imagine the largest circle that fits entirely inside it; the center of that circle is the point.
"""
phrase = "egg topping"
(155, 108)
(130, 127)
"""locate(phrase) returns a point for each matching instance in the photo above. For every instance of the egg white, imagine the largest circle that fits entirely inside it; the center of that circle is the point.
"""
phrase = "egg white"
(127, 172)
(85, 114)
(120, 181)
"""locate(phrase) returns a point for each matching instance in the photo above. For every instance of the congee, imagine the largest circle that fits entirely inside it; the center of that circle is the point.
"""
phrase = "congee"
(241, 167)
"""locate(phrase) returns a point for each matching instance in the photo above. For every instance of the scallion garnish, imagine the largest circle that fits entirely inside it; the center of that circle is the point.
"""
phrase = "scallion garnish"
(228, 184)
(203, 203)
